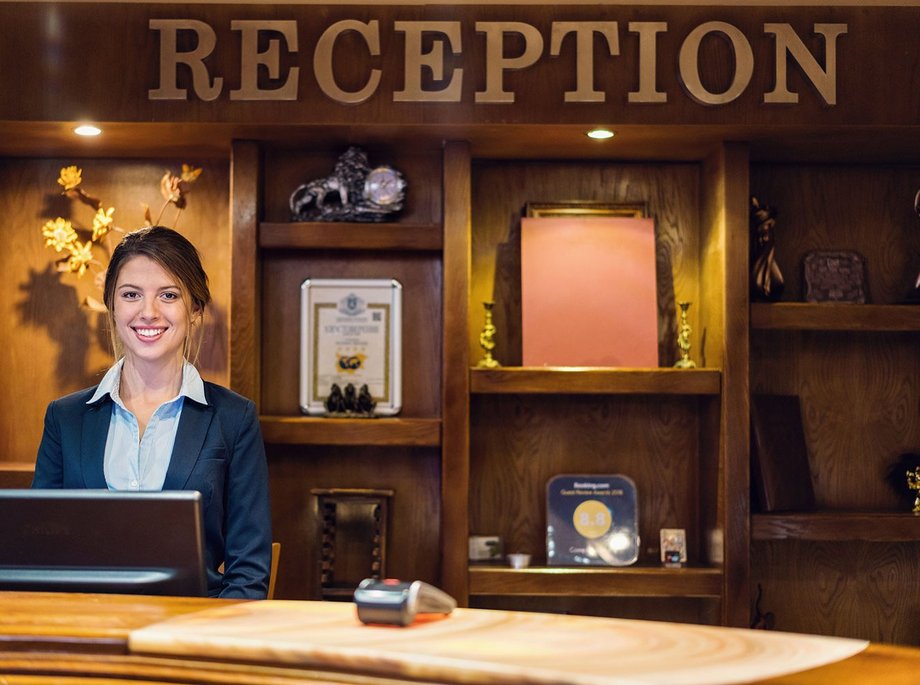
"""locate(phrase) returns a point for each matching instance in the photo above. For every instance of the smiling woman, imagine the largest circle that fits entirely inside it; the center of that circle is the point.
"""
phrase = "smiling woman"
(154, 424)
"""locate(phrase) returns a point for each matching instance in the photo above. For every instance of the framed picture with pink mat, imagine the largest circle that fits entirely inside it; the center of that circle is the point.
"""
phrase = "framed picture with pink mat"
(588, 286)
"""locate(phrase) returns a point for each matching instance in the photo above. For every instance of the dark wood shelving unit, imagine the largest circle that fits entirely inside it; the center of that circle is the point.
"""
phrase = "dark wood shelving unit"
(631, 581)
(595, 380)
(808, 316)
(350, 236)
(840, 526)
(306, 430)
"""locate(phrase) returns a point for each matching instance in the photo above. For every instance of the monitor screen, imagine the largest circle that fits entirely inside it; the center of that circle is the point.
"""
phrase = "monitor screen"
(149, 543)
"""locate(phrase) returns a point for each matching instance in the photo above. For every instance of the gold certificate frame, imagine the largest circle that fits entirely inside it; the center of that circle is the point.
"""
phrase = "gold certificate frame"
(350, 334)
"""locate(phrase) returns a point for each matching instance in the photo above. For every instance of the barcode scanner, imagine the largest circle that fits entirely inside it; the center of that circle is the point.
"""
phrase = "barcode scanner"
(395, 602)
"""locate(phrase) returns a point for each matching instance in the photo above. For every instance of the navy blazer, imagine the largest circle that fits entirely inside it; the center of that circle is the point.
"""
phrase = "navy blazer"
(218, 451)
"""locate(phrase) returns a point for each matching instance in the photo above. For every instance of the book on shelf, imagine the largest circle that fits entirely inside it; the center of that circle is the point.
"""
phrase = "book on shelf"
(780, 472)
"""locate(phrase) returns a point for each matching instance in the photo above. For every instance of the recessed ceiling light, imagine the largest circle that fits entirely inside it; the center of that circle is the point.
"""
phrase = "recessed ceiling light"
(599, 134)
(87, 130)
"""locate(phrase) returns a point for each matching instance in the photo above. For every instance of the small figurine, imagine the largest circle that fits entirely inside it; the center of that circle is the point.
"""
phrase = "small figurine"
(913, 483)
(353, 192)
(350, 402)
(904, 478)
(366, 403)
(766, 278)
(335, 402)
(351, 398)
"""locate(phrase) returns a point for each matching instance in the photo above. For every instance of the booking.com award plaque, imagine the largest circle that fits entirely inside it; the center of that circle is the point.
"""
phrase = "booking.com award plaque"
(591, 520)
(350, 336)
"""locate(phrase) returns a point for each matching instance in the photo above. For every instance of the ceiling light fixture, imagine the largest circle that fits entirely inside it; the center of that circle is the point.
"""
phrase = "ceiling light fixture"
(600, 134)
(87, 130)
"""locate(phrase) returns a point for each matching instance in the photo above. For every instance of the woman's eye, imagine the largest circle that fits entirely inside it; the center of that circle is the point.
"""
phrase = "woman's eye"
(130, 295)
(169, 296)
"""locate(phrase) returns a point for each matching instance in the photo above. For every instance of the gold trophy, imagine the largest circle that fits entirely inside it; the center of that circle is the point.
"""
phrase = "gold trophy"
(683, 339)
(913, 483)
(487, 340)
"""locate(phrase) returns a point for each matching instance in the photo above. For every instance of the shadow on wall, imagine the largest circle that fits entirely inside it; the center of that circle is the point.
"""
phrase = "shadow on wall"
(54, 307)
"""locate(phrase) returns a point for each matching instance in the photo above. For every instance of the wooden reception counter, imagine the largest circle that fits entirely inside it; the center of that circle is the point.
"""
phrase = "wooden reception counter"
(71, 638)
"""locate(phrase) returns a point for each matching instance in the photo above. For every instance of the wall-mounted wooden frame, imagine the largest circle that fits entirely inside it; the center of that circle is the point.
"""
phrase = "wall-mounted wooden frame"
(351, 525)
(586, 208)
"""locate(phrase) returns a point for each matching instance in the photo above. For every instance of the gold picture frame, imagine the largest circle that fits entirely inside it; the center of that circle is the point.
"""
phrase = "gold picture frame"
(586, 208)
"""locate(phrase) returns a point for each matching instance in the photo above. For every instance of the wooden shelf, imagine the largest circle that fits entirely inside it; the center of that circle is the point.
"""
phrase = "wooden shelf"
(350, 236)
(807, 316)
(631, 581)
(593, 380)
(304, 430)
(865, 526)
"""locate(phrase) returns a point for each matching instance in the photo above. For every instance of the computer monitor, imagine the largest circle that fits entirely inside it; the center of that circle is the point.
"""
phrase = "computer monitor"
(149, 543)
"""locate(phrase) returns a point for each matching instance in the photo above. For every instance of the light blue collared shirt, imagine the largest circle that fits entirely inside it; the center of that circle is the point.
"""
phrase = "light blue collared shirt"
(132, 462)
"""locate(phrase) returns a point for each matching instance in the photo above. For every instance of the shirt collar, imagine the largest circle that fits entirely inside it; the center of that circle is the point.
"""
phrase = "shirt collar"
(192, 386)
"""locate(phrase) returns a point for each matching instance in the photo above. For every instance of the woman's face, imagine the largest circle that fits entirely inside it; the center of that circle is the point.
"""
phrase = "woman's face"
(151, 316)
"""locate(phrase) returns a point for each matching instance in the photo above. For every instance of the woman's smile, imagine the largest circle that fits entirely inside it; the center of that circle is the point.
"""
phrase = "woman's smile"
(149, 334)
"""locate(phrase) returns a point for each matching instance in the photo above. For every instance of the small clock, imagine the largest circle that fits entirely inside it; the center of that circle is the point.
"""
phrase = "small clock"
(384, 186)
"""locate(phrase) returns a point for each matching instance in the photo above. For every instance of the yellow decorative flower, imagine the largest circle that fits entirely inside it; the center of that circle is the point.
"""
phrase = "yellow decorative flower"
(59, 234)
(70, 177)
(102, 222)
(190, 173)
(80, 257)
(170, 187)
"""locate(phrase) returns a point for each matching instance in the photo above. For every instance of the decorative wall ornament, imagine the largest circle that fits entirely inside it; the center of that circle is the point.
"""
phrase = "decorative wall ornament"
(835, 276)
(766, 278)
(354, 191)
(351, 527)
(82, 246)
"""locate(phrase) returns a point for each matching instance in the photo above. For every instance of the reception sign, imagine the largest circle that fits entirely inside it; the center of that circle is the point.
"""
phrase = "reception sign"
(443, 64)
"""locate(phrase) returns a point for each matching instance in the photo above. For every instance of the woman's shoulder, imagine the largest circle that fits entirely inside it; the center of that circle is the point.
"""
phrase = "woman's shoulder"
(75, 400)
(224, 398)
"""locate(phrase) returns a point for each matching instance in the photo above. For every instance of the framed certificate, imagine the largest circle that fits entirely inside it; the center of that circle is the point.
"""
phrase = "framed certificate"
(350, 334)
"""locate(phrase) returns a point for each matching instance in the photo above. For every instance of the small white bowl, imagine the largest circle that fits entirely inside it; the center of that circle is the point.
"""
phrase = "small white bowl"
(519, 560)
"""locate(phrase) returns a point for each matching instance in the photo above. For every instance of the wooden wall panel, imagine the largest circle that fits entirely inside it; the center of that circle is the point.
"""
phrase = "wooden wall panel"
(855, 590)
(500, 191)
(520, 442)
(420, 275)
(413, 474)
(49, 345)
(455, 393)
(860, 395)
(724, 317)
(860, 391)
(245, 334)
(868, 209)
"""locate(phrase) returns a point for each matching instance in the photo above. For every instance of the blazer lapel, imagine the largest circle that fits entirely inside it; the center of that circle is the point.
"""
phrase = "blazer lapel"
(193, 427)
(96, 422)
